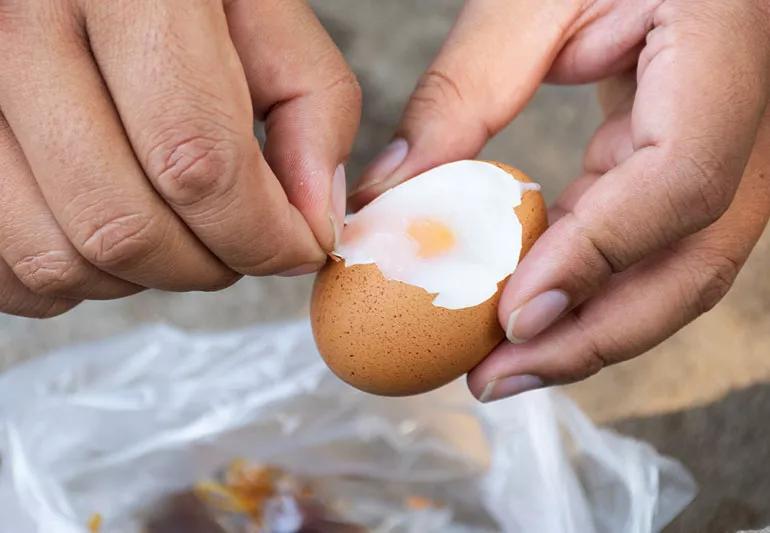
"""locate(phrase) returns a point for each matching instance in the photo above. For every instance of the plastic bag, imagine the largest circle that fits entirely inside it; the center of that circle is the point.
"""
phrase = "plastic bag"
(118, 426)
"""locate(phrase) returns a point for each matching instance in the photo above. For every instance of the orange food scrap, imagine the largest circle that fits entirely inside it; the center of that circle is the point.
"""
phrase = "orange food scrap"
(244, 490)
(95, 523)
(418, 503)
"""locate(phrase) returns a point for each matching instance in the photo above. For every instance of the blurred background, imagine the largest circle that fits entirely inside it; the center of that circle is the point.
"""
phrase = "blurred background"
(703, 396)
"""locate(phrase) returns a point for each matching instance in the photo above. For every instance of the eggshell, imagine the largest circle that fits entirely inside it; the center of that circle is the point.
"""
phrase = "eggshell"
(386, 337)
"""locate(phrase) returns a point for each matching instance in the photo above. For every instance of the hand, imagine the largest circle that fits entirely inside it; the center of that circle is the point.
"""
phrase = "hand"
(667, 210)
(127, 153)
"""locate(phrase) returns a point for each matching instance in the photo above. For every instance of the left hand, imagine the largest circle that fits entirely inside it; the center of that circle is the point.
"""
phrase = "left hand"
(674, 193)
(128, 159)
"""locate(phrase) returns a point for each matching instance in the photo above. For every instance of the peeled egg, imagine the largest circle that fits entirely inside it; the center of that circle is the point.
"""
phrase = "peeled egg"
(411, 304)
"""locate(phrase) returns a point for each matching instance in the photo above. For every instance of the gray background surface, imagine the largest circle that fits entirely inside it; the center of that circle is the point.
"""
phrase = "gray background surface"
(702, 396)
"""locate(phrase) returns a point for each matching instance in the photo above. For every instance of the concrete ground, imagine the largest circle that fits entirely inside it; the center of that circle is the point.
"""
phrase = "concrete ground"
(703, 396)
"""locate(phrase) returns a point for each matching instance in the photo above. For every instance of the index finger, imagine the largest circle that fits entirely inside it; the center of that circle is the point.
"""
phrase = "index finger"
(692, 133)
(490, 65)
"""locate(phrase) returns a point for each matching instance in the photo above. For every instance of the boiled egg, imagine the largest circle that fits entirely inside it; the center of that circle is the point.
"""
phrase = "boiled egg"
(410, 304)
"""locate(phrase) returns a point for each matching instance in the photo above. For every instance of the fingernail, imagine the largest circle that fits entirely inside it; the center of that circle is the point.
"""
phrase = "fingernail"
(500, 388)
(301, 270)
(337, 229)
(339, 199)
(384, 164)
(536, 315)
(339, 192)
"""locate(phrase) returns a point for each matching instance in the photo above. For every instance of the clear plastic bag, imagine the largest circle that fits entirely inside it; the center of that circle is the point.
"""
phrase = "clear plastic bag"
(118, 427)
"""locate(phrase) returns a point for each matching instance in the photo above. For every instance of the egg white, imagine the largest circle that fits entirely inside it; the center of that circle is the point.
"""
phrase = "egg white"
(475, 200)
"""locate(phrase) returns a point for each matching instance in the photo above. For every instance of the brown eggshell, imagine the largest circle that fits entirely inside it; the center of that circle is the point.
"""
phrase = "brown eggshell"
(386, 337)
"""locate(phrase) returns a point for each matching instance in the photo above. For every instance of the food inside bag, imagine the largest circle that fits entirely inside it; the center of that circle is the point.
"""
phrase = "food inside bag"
(248, 499)
(166, 431)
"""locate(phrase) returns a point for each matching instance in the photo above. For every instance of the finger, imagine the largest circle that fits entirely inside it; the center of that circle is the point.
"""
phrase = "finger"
(610, 146)
(616, 93)
(32, 243)
(489, 67)
(609, 41)
(309, 98)
(570, 196)
(65, 123)
(690, 150)
(192, 129)
(640, 307)
(16, 299)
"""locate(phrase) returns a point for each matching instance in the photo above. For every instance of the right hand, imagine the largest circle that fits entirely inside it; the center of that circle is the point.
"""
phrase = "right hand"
(127, 153)
(674, 193)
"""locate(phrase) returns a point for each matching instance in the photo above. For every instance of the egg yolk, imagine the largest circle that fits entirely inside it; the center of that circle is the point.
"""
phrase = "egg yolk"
(433, 237)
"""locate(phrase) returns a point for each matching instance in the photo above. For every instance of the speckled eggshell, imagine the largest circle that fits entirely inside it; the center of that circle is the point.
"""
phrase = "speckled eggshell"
(386, 337)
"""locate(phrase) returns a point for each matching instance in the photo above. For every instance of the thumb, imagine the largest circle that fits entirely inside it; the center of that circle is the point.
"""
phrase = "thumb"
(491, 64)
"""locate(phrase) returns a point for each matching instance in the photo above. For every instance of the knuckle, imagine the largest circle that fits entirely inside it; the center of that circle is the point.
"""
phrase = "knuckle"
(347, 84)
(121, 241)
(436, 95)
(441, 97)
(592, 358)
(269, 261)
(600, 253)
(50, 273)
(701, 190)
(276, 252)
(715, 278)
(189, 167)
(441, 85)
